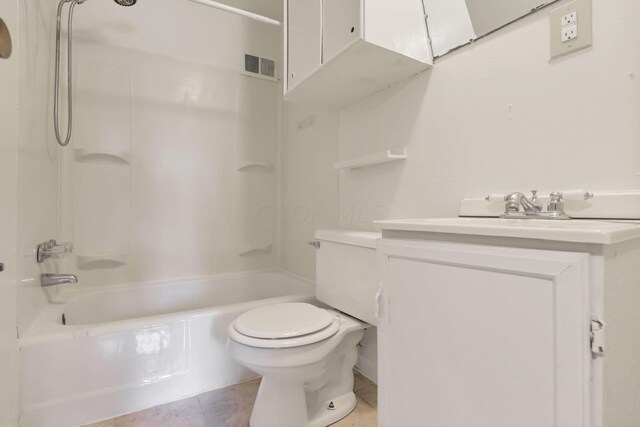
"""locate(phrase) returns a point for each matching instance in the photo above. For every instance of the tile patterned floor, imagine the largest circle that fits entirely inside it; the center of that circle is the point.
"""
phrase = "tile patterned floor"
(231, 407)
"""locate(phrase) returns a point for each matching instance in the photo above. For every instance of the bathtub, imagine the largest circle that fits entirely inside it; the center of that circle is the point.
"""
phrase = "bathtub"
(104, 352)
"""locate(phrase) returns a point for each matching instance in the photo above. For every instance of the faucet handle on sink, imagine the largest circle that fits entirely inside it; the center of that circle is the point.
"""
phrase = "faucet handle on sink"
(556, 203)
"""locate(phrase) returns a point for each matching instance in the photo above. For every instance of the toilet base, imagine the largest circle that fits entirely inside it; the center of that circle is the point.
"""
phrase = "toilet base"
(343, 406)
(323, 416)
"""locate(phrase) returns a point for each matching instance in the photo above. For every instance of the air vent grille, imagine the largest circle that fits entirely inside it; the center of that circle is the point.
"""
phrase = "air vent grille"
(251, 64)
(260, 67)
(267, 67)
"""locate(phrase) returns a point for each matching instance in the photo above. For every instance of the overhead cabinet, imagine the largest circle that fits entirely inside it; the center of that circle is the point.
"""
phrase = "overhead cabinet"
(340, 51)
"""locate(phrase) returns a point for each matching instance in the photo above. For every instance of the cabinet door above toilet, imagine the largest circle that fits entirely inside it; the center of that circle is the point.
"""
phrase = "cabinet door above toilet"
(304, 39)
(342, 24)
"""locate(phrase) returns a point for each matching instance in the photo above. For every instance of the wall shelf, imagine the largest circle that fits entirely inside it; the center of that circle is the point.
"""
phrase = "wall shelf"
(253, 249)
(102, 260)
(89, 156)
(382, 157)
(254, 164)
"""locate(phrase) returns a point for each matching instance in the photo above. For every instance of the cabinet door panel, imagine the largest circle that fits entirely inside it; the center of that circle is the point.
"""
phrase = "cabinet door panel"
(482, 339)
(304, 20)
(341, 25)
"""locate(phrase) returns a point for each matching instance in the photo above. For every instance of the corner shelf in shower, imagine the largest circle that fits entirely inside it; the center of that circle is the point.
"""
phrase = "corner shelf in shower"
(254, 164)
(374, 159)
(91, 156)
(255, 249)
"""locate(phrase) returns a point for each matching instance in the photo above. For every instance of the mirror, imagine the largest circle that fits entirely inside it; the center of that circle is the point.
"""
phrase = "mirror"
(454, 23)
(5, 40)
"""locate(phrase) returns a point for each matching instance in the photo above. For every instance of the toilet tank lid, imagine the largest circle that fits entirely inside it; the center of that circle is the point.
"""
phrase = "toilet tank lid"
(366, 239)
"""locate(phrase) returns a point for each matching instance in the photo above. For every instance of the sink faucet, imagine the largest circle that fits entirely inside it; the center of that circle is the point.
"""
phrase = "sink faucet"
(532, 209)
(515, 200)
(57, 279)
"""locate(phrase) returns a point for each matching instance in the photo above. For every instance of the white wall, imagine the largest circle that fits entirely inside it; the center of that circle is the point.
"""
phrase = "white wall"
(498, 116)
(8, 222)
(310, 185)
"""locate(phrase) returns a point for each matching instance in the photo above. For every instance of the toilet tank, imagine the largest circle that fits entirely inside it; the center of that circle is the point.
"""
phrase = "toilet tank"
(346, 272)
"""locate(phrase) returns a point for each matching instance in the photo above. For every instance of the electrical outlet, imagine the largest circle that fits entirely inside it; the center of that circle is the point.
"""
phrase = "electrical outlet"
(570, 27)
(569, 32)
(570, 18)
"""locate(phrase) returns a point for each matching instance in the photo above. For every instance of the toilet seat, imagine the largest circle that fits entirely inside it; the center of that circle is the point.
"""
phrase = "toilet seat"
(284, 326)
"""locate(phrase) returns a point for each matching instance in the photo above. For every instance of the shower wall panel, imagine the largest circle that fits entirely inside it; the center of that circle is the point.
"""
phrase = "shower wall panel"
(37, 154)
(192, 120)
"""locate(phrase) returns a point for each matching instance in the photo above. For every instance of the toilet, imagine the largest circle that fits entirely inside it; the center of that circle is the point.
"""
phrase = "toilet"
(306, 353)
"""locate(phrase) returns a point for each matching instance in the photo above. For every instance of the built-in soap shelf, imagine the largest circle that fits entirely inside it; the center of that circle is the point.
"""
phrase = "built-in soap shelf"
(91, 156)
(247, 250)
(250, 164)
(374, 159)
(111, 258)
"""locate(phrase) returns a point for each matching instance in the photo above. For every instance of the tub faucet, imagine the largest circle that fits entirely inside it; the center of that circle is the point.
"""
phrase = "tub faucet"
(57, 279)
(515, 200)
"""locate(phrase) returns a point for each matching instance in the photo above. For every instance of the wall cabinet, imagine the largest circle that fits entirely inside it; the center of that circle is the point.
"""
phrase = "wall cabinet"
(341, 26)
(339, 51)
(305, 34)
(488, 335)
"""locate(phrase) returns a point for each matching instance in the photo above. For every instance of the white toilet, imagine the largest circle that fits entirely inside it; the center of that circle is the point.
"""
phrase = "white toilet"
(305, 353)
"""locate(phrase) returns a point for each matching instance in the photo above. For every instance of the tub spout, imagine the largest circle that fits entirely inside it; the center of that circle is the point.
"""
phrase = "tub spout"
(57, 279)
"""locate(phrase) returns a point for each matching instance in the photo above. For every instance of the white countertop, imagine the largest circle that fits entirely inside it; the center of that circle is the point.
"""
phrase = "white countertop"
(574, 230)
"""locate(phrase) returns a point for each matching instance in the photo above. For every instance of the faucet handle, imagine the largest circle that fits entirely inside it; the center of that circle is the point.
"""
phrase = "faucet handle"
(51, 249)
(556, 203)
(61, 250)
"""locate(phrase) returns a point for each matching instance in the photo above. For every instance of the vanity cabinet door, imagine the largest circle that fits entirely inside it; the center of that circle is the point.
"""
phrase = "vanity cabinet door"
(479, 336)
(342, 24)
(304, 41)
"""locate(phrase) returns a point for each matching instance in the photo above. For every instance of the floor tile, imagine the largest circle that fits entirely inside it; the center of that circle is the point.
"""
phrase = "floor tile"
(232, 406)
(369, 394)
(183, 413)
(364, 415)
(360, 382)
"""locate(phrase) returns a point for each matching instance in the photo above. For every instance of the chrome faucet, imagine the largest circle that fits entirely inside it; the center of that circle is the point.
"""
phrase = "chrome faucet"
(532, 209)
(57, 279)
(515, 200)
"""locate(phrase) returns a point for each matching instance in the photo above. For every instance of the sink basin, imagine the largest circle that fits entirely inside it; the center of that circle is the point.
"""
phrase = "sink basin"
(578, 231)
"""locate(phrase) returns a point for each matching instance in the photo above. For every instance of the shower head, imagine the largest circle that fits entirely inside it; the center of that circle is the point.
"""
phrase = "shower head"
(126, 2)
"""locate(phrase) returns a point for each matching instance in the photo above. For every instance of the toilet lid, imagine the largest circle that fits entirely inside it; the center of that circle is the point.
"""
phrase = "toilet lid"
(281, 321)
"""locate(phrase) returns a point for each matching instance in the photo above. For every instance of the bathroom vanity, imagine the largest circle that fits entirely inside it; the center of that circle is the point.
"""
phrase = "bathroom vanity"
(494, 322)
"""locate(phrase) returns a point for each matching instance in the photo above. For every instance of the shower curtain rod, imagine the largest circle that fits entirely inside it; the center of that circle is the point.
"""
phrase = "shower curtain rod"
(231, 9)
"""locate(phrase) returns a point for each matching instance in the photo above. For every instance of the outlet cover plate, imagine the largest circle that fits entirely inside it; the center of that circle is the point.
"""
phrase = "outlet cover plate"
(584, 24)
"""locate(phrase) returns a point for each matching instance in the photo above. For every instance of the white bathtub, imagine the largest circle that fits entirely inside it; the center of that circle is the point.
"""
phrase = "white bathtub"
(132, 347)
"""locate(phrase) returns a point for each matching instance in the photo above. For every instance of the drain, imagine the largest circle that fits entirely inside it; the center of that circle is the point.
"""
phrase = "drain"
(331, 406)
